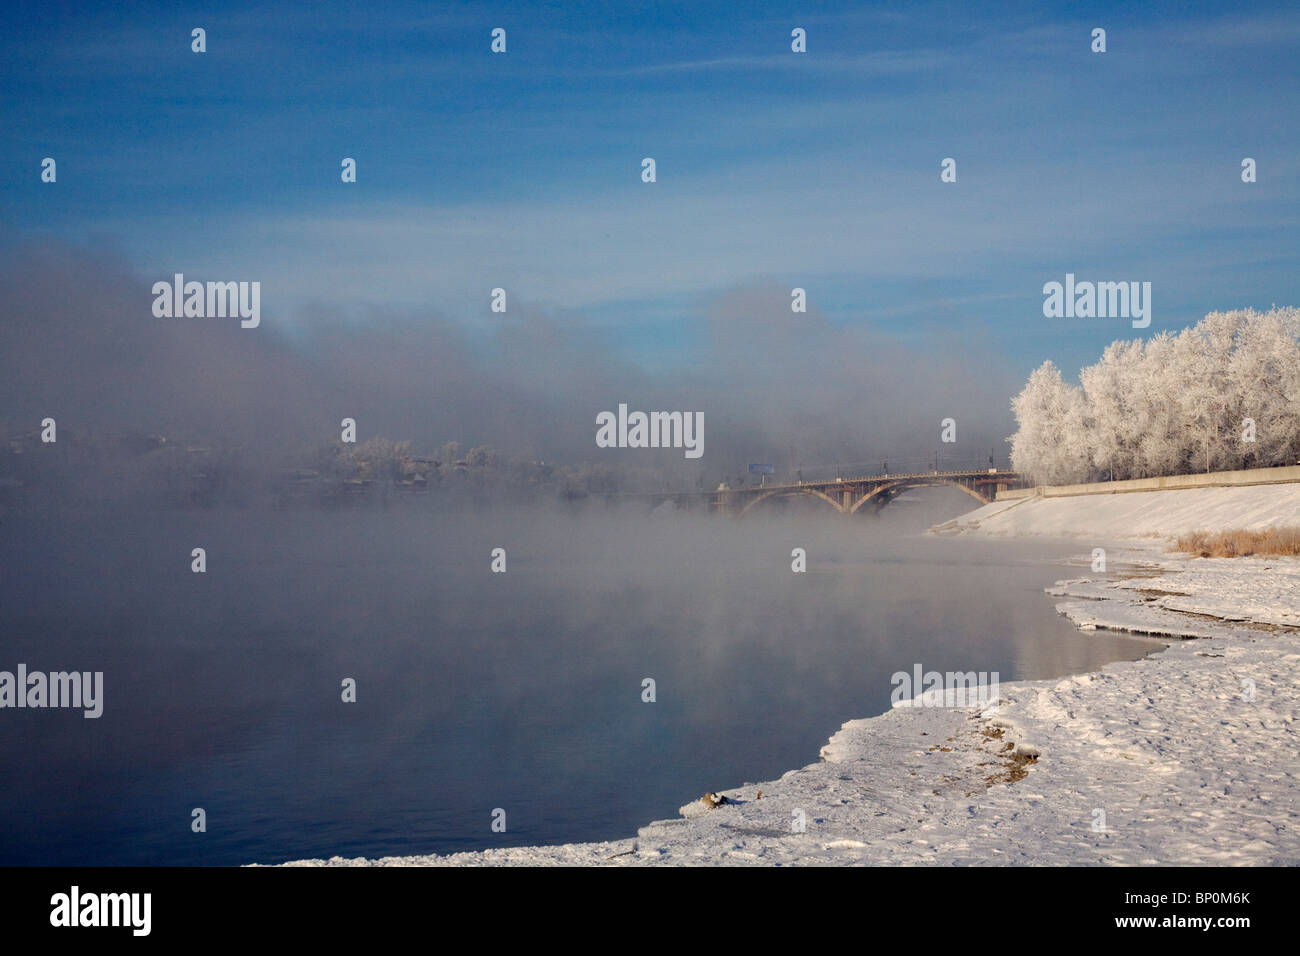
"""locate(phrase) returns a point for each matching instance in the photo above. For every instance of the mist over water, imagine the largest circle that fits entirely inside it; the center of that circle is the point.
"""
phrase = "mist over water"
(772, 385)
(475, 690)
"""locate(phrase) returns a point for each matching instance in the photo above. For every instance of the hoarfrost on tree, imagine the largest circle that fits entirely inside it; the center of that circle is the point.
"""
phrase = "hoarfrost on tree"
(1173, 404)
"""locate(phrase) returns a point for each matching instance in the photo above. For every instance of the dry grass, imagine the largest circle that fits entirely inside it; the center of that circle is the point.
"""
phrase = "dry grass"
(1017, 768)
(1238, 544)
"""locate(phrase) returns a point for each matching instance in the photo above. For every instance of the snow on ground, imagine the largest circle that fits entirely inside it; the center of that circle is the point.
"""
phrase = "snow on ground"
(1255, 590)
(1187, 757)
(1145, 514)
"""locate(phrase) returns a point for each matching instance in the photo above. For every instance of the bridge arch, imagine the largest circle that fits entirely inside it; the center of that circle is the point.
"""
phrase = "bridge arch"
(914, 483)
(791, 492)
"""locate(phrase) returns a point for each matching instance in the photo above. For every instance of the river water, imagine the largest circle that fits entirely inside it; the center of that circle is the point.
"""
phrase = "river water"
(475, 690)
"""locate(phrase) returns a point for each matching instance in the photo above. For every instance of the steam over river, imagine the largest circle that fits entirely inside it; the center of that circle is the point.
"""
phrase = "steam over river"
(475, 690)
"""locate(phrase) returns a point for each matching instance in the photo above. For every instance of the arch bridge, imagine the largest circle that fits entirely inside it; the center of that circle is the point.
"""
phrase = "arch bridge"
(848, 496)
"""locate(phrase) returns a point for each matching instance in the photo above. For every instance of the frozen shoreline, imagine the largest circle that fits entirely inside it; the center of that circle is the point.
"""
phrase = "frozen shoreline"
(1153, 516)
(1163, 760)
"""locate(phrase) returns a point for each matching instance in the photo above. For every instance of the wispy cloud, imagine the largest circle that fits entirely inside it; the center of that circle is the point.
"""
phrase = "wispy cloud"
(1238, 30)
(875, 63)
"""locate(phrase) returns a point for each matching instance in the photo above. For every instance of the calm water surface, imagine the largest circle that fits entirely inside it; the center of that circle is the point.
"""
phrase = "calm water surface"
(474, 690)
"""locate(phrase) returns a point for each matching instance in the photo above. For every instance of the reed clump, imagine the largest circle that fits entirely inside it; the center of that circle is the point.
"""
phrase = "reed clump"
(1241, 543)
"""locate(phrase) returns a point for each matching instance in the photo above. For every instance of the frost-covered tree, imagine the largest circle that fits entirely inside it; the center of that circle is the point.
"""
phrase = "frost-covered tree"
(1049, 448)
(1206, 395)
(1265, 368)
(1115, 431)
(1156, 431)
(1171, 405)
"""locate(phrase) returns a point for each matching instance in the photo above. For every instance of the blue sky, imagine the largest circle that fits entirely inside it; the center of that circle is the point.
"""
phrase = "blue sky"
(818, 170)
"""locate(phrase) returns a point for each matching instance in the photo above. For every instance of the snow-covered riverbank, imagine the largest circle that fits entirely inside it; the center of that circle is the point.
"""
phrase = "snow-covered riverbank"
(1163, 760)
(1149, 514)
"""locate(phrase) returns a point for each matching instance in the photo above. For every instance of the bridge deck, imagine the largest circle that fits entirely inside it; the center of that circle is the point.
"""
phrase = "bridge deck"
(986, 476)
(1008, 477)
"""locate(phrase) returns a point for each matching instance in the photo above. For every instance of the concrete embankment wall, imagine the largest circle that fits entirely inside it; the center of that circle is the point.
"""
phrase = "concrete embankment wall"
(1214, 479)
(1144, 507)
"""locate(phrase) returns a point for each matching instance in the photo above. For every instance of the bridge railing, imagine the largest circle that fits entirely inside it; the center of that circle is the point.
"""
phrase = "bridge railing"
(877, 468)
(852, 472)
